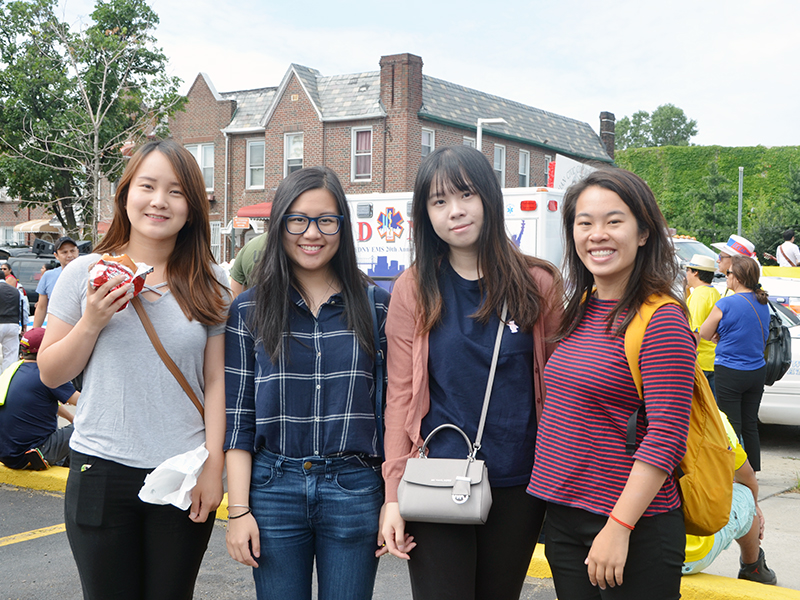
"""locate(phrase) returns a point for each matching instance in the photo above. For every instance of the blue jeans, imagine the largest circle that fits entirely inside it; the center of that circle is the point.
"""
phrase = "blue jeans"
(323, 508)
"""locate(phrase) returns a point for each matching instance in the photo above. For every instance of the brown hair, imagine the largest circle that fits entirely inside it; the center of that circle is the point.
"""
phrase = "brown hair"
(747, 272)
(189, 270)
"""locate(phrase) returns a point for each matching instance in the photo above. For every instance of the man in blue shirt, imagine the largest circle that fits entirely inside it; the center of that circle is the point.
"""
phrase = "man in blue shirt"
(29, 433)
(66, 251)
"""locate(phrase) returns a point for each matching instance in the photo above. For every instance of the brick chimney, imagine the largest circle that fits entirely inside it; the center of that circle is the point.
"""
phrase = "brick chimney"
(401, 82)
(607, 126)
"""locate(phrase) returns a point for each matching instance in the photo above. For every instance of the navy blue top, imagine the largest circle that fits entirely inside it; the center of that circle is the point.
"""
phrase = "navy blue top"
(743, 332)
(317, 399)
(460, 354)
(29, 415)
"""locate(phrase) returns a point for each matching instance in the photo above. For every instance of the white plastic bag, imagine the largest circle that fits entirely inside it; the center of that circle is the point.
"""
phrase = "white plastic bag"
(173, 480)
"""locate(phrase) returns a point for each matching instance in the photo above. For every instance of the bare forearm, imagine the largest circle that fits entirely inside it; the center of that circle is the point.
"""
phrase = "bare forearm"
(41, 311)
(240, 465)
(642, 486)
(62, 360)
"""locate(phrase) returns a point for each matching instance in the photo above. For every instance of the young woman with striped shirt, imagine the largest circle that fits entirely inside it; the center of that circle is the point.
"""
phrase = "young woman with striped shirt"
(614, 522)
(304, 482)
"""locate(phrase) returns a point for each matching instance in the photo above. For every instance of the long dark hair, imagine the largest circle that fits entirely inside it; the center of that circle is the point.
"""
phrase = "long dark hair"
(189, 268)
(269, 317)
(504, 269)
(655, 268)
(747, 272)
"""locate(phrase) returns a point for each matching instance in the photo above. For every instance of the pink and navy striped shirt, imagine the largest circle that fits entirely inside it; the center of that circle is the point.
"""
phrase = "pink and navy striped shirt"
(580, 448)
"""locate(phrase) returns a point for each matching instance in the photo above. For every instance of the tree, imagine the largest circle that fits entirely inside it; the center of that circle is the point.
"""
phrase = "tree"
(70, 99)
(713, 212)
(769, 222)
(668, 125)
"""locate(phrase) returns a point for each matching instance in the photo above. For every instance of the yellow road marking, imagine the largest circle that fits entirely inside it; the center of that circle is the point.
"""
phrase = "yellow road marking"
(32, 535)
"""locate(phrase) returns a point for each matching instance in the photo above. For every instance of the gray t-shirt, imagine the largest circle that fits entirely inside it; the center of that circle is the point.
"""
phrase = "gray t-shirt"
(132, 410)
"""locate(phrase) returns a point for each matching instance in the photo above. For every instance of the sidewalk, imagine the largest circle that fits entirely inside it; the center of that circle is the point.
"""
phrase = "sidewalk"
(782, 511)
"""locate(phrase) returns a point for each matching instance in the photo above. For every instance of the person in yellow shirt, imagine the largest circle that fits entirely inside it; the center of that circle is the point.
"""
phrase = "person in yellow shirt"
(745, 525)
(699, 274)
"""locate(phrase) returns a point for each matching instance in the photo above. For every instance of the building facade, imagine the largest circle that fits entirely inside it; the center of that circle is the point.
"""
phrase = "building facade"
(373, 129)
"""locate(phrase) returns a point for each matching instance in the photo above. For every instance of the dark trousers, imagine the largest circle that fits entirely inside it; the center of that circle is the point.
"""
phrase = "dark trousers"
(477, 562)
(653, 567)
(127, 549)
(739, 397)
(710, 376)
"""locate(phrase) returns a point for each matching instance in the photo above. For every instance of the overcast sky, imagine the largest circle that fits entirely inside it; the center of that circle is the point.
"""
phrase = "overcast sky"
(730, 65)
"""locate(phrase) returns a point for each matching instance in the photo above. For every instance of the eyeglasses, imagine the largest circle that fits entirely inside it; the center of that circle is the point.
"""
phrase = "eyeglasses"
(729, 273)
(298, 224)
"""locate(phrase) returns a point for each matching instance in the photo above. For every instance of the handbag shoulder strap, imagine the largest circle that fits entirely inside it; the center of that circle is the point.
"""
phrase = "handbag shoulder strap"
(379, 368)
(487, 396)
(170, 364)
(757, 315)
(789, 260)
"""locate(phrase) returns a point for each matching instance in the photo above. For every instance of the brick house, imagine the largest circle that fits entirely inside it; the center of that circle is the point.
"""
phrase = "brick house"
(34, 220)
(372, 129)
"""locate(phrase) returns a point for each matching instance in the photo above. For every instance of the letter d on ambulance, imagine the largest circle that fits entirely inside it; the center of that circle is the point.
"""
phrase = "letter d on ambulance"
(364, 231)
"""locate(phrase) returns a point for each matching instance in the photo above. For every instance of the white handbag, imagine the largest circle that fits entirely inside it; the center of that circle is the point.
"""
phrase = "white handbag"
(451, 490)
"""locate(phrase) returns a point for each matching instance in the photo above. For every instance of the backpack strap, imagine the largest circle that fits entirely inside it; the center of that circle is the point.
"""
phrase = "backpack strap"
(634, 335)
(380, 368)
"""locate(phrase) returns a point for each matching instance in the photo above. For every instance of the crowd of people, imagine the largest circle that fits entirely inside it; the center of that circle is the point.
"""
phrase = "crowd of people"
(280, 366)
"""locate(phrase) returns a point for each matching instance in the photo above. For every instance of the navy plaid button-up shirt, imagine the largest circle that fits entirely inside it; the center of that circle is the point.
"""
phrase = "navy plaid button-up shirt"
(317, 399)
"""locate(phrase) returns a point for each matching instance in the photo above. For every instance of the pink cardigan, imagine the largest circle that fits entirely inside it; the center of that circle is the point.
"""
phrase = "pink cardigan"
(408, 394)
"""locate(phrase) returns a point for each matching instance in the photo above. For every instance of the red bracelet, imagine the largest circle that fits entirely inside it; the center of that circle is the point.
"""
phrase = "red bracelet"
(625, 525)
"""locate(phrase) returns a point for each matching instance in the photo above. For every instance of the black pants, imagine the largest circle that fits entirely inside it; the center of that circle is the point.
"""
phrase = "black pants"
(127, 549)
(739, 396)
(477, 562)
(653, 567)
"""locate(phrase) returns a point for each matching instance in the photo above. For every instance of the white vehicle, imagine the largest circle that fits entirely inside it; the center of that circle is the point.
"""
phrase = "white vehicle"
(382, 228)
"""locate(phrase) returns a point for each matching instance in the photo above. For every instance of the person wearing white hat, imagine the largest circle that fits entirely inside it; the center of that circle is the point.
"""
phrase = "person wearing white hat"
(735, 246)
(703, 297)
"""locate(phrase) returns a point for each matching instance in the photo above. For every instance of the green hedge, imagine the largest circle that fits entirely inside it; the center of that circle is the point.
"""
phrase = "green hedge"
(673, 172)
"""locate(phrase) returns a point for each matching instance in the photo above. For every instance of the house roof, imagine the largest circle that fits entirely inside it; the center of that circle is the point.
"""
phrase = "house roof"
(251, 105)
(357, 96)
(458, 105)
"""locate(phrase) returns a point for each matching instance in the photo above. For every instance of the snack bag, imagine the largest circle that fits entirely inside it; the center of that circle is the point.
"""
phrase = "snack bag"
(109, 267)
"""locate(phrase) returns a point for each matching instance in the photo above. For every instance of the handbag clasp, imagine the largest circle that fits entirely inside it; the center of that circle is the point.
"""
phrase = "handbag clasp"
(461, 489)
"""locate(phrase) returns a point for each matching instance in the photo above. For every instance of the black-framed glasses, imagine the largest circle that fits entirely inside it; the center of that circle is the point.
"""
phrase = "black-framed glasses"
(327, 224)
(729, 272)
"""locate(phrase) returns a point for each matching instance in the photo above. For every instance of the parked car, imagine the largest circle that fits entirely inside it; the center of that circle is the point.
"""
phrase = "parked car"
(28, 270)
(781, 401)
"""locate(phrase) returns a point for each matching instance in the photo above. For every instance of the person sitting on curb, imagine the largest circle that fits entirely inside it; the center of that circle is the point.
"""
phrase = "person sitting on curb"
(699, 275)
(745, 525)
(29, 434)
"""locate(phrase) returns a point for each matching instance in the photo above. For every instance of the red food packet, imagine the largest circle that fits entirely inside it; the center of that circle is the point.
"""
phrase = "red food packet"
(107, 268)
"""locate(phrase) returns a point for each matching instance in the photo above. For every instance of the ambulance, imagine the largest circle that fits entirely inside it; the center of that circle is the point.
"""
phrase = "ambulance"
(382, 228)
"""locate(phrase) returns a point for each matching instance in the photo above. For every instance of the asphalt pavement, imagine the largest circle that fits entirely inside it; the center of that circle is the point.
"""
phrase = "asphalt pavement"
(42, 568)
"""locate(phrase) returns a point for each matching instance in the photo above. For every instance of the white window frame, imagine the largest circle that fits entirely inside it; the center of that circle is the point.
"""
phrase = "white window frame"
(286, 158)
(252, 169)
(200, 155)
(216, 240)
(7, 234)
(353, 136)
(430, 148)
(524, 168)
(470, 142)
(501, 173)
(547, 160)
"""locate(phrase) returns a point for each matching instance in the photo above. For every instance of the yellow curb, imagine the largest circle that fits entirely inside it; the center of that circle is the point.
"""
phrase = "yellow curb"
(694, 587)
(54, 479)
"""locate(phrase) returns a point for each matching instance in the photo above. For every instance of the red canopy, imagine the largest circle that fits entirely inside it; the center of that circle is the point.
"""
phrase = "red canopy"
(256, 211)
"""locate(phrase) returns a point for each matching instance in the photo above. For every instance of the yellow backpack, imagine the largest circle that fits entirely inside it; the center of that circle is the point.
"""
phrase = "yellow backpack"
(705, 475)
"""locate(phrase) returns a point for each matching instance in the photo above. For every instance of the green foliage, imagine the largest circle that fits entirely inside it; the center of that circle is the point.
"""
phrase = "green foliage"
(667, 126)
(697, 189)
(70, 99)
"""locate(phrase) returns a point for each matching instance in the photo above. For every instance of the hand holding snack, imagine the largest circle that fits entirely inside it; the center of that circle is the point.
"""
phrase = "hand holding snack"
(109, 267)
